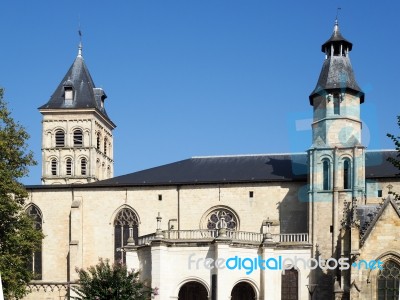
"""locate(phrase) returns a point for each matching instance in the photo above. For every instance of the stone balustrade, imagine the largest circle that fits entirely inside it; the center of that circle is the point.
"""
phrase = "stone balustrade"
(237, 236)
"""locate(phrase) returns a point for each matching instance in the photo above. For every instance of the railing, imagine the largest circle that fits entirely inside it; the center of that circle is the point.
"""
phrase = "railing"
(293, 238)
(190, 234)
(240, 236)
(37, 286)
(245, 236)
(146, 239)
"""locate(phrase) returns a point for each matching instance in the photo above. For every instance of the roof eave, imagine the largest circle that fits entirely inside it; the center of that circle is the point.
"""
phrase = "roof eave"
(317, 92)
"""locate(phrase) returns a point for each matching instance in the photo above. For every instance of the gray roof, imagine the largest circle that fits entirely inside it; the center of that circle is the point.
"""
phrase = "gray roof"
(86, 95)
(374, 215)
(337, 37)
(241, 168)
(219, 169)
(366, 214)
(336, 74)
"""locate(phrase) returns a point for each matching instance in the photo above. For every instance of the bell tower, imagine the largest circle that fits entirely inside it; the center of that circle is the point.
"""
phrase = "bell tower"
(77, 140)
(336, 157)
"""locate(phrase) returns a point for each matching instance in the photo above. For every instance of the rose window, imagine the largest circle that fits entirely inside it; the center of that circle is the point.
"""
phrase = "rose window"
(222, 218)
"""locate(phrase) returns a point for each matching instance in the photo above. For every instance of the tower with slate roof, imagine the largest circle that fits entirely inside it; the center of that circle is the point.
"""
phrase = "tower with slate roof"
(77, 139)
(336, 159)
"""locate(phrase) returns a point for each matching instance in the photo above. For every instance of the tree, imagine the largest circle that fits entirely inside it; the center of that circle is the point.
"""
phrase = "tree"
(18, 237)
(395, 161)
(107, 282)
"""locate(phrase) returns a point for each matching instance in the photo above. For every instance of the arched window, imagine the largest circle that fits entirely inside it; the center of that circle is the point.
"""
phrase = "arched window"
(98, 168)
(35, 264)
(243, 290)
(388, 281)
(125, 226)
(78, 138)
(326, 173)
(290, 285)
(60, 138)
(336, 105)
(222, 217)
(68, 166)
(83, 166)
(98, 139)
(193, 290)
(54, 166)
(108, 171)
(346, 174)
(105, 146)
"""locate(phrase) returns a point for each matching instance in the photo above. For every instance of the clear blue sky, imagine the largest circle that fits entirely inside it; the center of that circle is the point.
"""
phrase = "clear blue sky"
(189, 78)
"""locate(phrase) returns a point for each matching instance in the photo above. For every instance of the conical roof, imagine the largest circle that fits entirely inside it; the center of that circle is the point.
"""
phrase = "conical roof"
(86, 95)
(336, 37)
(337, 72)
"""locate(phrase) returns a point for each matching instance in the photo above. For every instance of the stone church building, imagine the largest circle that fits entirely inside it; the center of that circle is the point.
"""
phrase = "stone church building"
(320, 224)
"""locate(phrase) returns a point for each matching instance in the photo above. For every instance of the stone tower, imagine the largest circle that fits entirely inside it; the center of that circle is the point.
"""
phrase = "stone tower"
(77, 140)
(336, 158)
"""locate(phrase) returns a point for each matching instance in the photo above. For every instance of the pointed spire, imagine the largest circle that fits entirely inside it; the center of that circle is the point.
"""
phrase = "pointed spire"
(336, 40)
(80, 49)
(337, 72)
(336, 27)
(80, 42)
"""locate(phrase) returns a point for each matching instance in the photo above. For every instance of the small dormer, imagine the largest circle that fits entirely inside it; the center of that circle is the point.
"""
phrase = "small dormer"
(68, 92)
(100, 96)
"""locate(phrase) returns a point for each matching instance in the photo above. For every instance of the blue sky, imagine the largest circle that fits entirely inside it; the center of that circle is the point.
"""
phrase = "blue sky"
(191, 78)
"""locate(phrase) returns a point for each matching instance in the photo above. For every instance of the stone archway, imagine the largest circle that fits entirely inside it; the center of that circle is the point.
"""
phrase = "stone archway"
(243, 291)
(193, 290)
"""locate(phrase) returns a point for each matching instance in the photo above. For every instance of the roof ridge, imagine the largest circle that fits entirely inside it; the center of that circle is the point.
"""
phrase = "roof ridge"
(250, 155)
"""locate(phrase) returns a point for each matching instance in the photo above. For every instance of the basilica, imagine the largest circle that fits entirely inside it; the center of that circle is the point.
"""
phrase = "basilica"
(322, 224)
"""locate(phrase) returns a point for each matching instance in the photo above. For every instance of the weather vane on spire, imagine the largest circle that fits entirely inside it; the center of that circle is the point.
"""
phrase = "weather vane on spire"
(80, 38)
(337, 13)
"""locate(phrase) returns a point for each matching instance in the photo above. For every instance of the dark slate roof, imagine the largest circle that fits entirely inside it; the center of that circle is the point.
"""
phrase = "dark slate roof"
(378, 166)
(219, 169)
(380, 208)
(337, 37)
(366, 214)
(86, 95)
(239, 169)
(336, 74)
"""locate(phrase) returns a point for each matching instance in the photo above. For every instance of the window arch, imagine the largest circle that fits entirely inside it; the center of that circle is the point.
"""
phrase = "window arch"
(35, 263)
(219, 217)
(388, 281)
(243, 290)
(326, 174)
(105, 146)
(54, 166)
(98, 140)
(347, 174)
(108, 171)
(336, 105)
(78, 138)
(60, 138)
(125, 227)
(68, 166)
(290, 284)
(193, 290)
(83, 166)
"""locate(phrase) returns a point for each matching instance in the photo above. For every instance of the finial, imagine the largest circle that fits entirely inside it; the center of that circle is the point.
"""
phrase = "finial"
(80, 41)
(80, 49)
(336, 27)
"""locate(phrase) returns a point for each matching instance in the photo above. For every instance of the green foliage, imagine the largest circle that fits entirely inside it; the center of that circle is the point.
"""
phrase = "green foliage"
(393, 160)
(108, 282)
(18, 237)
